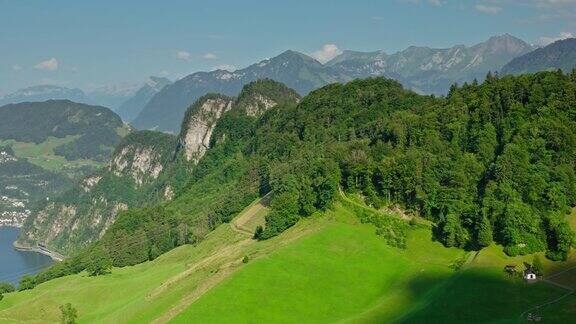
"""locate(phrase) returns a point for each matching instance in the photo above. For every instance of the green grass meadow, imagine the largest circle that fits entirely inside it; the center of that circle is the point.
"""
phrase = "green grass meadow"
(328, 268)
(43, 155)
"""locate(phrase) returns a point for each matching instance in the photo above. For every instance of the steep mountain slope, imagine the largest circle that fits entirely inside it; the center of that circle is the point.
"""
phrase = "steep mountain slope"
(44, 93)
(96, 130)
(147, 168)
(558, 55)
(431, 70)
(133, 106)
(298, 71)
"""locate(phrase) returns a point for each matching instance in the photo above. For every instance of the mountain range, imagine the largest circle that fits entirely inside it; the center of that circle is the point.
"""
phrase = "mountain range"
(43, 93)
(423, 69)
(127, 99)
(159, 104)
(558, 55)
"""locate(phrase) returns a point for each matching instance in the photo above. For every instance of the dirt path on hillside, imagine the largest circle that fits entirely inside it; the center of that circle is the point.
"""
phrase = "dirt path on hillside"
(239, 223)
(224, 253)
(227, 260)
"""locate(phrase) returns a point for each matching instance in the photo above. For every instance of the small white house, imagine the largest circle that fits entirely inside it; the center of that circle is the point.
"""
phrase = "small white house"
(529, 275)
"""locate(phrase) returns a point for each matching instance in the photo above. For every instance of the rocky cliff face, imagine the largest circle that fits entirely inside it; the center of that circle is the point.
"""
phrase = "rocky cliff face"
(139, 163)
(199, 124)
(83, 214)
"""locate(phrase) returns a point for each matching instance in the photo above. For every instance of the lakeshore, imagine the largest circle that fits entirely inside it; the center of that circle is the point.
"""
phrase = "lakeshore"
(16, 263)
(55, 256)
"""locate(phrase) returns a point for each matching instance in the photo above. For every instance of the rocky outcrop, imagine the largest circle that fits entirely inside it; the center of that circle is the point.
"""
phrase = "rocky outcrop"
(260, 105)
(83, 214)
(259, 96)
(140, 163)
(199, 124)
(89, 182)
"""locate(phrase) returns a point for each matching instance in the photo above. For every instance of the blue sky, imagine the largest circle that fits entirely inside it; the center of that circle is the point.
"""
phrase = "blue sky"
(94, 43)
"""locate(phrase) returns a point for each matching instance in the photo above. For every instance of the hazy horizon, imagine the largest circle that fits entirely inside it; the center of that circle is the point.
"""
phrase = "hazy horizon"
(89, 45)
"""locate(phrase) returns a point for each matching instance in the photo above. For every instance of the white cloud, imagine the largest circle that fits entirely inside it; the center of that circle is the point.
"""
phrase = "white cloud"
(545, 40)
(163, 73)
(491, 10)
(210, 56)
(225, 67)
(554, 3)
(183, 55)
(326, 53)
(417, 2)
(16, 67)
(48, 65)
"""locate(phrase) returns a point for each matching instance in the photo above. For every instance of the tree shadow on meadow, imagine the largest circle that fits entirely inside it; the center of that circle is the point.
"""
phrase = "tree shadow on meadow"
(484, 295)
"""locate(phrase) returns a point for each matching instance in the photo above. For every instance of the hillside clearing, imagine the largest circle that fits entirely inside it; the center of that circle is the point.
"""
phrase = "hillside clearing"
(43, 155)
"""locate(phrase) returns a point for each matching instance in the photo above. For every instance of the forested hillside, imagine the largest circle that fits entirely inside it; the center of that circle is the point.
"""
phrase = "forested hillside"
(150, 167)
(491, 162)
(558, 55)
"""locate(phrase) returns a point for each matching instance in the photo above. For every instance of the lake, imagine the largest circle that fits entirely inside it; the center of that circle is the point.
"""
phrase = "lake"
(14, 264)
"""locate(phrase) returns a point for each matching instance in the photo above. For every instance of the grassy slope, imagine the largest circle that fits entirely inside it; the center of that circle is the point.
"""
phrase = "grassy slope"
(324, 269)
(337, 273)
(43, 154)
(370, 282)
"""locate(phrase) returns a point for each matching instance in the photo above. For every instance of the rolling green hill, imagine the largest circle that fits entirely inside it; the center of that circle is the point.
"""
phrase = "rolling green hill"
(327, 268)
(97, 129)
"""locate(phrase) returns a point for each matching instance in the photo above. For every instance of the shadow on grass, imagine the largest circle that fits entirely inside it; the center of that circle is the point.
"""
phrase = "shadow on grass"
(483, 295)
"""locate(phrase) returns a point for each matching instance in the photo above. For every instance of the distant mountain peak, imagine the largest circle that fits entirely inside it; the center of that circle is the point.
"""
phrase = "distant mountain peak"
(504, 44)
(157, 83)
(292, 55)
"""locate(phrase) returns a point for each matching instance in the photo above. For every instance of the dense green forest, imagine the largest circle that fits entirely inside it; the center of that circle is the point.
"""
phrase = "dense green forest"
(489, 162)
